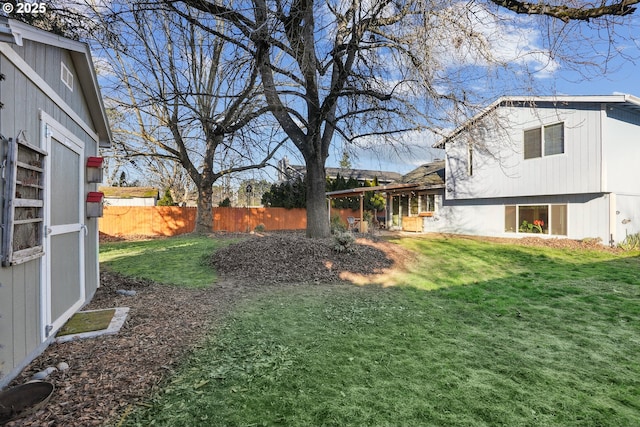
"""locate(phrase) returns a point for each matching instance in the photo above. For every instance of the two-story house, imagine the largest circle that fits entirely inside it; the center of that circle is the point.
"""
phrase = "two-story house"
(557, 166)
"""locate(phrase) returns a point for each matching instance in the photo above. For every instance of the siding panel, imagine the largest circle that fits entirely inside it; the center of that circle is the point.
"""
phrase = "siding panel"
(501, 169)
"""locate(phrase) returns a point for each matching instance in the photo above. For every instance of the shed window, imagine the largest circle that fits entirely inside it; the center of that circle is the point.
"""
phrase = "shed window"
(66, 76)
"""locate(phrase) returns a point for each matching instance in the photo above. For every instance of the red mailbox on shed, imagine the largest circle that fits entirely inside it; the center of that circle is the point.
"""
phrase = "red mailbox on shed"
(94, 204)
(94, 169)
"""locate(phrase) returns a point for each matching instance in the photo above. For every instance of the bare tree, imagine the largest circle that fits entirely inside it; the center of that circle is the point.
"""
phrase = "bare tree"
(185, 96)
(371, 70)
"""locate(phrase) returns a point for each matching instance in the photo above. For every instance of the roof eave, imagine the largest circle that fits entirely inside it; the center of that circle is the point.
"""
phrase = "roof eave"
(603, 99)
(81, 55)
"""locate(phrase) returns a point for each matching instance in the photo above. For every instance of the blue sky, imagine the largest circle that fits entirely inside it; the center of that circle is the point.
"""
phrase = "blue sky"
(620, 76)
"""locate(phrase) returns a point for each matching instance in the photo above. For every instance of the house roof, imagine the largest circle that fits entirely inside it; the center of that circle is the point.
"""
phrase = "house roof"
(357, 174)
(427, 176)
(129, 192)
(628, 101)
(15, 32)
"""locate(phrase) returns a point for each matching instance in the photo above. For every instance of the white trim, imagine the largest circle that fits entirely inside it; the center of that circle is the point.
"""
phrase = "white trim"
(50, 128)
(29, 72)
(66, 76)
(545, 235)
(556, 99)
(613, 206)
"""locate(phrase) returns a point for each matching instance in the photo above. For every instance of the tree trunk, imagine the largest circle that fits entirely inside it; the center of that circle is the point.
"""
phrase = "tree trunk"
(317, 214)
(204, 216)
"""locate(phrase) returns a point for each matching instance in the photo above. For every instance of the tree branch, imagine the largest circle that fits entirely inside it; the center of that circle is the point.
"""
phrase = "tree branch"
(567, 13)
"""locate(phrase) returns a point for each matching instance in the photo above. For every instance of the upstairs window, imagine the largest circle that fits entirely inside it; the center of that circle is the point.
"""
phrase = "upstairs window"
(544, 141)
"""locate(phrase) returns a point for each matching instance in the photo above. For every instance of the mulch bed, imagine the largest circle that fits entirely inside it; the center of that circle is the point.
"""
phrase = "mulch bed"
(108, 374)
(291, 257)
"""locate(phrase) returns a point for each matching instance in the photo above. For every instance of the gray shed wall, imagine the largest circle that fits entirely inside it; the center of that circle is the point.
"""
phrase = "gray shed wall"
(20, 306)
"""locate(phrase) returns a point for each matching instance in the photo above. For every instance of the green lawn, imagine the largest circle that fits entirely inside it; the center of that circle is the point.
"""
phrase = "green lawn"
(177, 261)
(477, 334)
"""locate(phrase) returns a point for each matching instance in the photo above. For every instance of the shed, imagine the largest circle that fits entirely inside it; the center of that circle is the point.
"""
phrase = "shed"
(52, 121)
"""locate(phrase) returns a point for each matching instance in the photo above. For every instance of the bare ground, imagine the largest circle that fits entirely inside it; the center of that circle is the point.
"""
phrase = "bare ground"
(111, 375)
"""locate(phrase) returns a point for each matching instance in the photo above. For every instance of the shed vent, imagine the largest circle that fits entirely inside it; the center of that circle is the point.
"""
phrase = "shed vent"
(66, 76)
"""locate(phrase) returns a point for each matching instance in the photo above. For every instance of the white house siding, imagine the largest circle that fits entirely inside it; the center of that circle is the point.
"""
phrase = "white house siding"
(587, 216)
(499, 167)
(626, 216)
(621, 151)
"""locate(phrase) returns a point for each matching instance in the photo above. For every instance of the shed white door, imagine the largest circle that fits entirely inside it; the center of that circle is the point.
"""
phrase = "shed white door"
(63, 263)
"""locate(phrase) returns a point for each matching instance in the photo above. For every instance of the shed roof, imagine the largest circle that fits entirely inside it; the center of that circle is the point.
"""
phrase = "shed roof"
(15, 32)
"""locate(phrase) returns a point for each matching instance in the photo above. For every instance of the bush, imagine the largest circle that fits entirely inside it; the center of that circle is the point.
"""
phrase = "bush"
(226, 203)
(259, 228)
(631, 242)
(166, 199)
(337, 225)
(343, 242)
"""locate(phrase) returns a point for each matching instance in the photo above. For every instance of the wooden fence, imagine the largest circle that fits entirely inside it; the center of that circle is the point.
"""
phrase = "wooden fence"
(173, 220)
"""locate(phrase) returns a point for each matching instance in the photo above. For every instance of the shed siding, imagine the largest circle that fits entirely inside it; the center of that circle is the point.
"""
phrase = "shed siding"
(499, 167)
(20, 306)
(46, 61)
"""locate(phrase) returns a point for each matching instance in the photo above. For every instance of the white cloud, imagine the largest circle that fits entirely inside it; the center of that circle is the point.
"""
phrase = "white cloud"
(472, 35)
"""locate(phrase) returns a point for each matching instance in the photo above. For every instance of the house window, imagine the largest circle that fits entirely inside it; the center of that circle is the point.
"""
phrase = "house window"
(559, 220)
(541, 219)
(427, 203)
(510, 219)
(533, 219)
(554, 139)
(553, 142)
(532, 145)
(66, 76)
(470, 159)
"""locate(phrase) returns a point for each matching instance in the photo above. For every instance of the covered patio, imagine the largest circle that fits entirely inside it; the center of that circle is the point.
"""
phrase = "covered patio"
(408, 202)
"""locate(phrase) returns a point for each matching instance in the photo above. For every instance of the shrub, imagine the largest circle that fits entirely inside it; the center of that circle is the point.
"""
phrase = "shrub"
(259, 228)
(166, 199)
(337, 225)
(343, 242)
(226, 203)
(631, 242)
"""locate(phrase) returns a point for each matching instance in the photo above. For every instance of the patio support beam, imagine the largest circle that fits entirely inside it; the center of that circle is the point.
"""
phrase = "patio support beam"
(361, 209)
